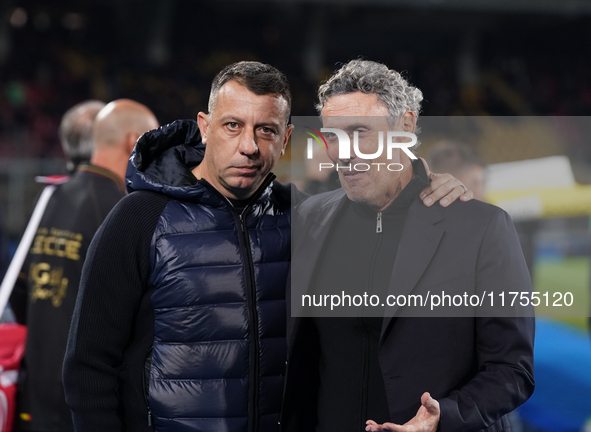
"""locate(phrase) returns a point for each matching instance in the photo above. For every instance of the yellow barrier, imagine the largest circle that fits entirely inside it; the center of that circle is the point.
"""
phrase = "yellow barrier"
(544, 203)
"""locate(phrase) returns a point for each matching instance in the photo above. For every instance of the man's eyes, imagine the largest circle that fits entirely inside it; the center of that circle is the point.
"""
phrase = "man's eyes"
(267, 130)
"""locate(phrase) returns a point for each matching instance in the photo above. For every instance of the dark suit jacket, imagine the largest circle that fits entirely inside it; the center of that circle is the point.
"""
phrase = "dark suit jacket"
(478, 368)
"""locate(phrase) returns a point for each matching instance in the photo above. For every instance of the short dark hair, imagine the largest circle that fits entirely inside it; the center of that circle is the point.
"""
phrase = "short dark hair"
(259, 78)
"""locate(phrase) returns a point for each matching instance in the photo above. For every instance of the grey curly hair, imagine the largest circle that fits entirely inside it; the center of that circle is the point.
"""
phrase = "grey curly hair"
(371, 77)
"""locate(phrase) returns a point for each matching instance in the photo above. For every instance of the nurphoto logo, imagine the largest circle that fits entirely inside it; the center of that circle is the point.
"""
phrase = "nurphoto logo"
(333, 136)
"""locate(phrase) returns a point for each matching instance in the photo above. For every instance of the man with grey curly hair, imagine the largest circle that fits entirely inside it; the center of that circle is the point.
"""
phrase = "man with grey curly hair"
(397, 369)
(391, 88)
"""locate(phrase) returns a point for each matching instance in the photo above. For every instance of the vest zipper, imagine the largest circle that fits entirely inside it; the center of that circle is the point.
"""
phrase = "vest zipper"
(365, 331)
(253, 319)
(253, 389)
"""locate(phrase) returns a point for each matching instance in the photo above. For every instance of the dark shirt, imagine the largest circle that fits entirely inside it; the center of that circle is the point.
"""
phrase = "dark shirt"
(45, 294)
(238, 204)
(358, 258)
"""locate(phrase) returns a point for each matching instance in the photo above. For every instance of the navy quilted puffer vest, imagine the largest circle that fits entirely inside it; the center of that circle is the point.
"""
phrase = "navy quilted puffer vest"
(219, 348)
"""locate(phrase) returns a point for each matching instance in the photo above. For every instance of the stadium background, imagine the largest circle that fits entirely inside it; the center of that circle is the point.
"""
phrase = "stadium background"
(470, 58)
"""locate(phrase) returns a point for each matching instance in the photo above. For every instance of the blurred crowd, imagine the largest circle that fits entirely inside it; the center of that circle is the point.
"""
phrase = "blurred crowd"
(49, 68)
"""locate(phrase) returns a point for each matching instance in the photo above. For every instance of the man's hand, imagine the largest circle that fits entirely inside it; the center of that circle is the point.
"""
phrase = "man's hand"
(426, 420)
(445, 188)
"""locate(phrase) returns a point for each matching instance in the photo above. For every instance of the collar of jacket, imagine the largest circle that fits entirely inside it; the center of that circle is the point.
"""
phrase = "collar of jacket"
(162, 161)
(407, 196)
(102, 172)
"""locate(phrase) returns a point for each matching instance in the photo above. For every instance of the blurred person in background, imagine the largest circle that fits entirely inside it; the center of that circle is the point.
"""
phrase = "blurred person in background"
(461, 161)
(75, 132)
(45, 293)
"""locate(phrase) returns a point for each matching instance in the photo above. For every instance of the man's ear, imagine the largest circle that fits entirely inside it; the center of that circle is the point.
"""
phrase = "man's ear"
(409, 121)
(203, 122)
(287, 135)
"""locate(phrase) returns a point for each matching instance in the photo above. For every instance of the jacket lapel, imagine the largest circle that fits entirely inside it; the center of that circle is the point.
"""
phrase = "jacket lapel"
(420, 239)
(315, 231)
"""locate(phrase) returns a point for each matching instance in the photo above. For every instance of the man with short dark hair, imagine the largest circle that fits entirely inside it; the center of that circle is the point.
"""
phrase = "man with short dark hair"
(180, 323)
(45, 294)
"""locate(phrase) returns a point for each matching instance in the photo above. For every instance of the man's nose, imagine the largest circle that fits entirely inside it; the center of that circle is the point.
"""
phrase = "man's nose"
(345, 160)
(351, 151)
(248, 143)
